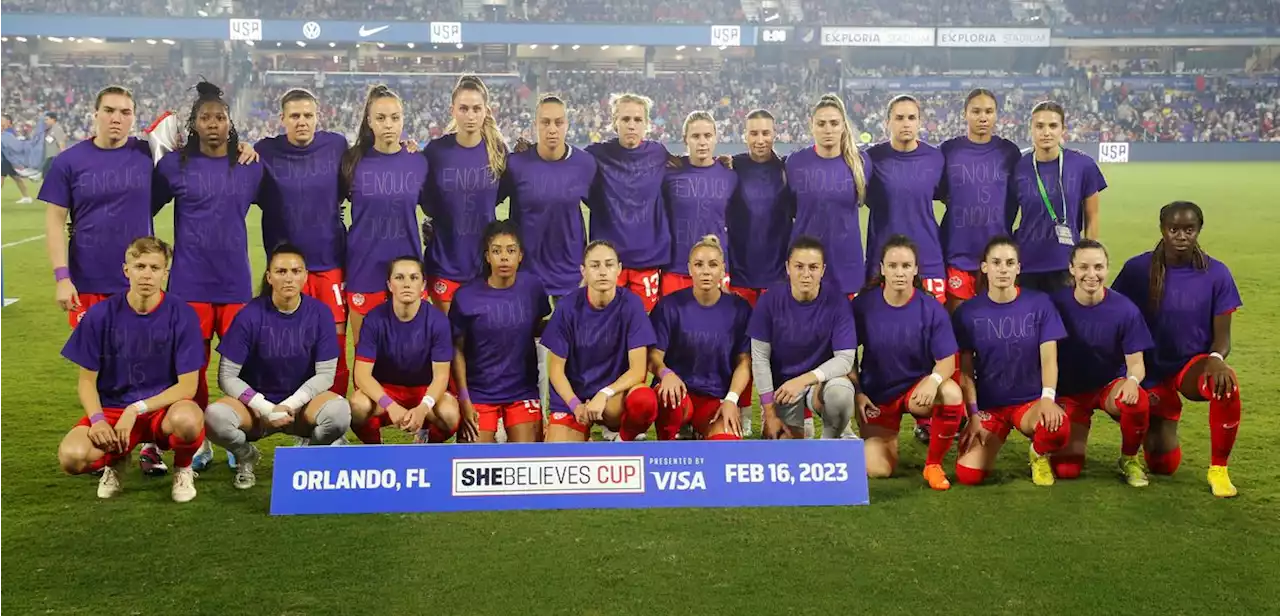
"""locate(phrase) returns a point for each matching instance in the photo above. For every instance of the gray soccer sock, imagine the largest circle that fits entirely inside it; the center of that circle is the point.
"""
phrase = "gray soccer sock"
(332, 422)
(222, 426)
(837, 406)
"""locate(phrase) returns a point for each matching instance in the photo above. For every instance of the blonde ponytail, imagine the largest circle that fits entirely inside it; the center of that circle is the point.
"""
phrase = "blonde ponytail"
(495, 147)
(848, 150)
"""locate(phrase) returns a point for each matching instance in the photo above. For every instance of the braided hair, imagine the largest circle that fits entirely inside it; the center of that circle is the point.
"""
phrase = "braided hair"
(1199, 258)
(207, 92)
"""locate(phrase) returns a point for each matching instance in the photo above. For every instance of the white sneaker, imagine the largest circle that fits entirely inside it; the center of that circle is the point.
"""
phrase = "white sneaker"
(501, 435)
(184, 484)
(808, 427)
(26, 200)
(746, 424)
(245, 478)
(607, 435)
(109, 483)
(301, 441)
(848, 432)
(342, 440)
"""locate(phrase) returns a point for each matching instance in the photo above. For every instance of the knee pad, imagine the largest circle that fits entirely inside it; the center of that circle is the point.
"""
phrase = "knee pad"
(1165, 463)
(1067, 467)
(970, 476)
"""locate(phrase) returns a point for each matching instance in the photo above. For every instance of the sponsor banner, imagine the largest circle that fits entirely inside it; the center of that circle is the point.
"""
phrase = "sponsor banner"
(877, 37)
(245, 29)
(726, 36)
(598, 475)
(1113, 152)
(993, 37)
(945, 84)
(446, 32)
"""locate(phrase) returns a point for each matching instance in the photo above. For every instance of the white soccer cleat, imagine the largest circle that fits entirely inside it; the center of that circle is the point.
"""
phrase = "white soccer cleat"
(808, 427)
(501, 435)
(245, 478)
(109, 484)
(607, 435)
(184, 485)
(746, 425)
(25, 200)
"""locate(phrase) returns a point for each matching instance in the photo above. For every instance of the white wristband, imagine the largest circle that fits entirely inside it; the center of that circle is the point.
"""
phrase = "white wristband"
(1218, 355)
(429, 402)
(1135, 379)
(1049, 393)
(937, 378)
(294, 402)
(608, 392)
(140, 406)
(732, 397)
(818, 374)
(261, 405)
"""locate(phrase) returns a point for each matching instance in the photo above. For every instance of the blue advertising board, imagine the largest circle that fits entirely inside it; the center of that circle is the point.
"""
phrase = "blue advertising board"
(596, 475)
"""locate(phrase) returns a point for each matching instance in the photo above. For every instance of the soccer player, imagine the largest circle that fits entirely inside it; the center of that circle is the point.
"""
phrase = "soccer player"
(278, 362)
(696, 192)
(546, 185)
(802, 335)
(385, 184)
(1101, 364)
(626, 198)
(702, 354)
(1057, 192)
(597, 343)
(302, 205)
(402, 363)
(1008, 340)
(1187, 298)
(138, 352)
(496, 319)
(908, 358)
(906, 173)
(977, 187)
(462, 190)
(828, 182)
(211, 196)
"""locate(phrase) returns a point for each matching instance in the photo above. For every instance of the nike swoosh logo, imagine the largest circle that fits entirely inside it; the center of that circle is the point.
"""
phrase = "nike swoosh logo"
(371, 31)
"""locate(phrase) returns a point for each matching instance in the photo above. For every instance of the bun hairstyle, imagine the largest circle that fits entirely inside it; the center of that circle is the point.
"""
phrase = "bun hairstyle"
(708, 241)
(364, 138)
(494, 146)
(264, 289)
(206, 92)
(852, 157)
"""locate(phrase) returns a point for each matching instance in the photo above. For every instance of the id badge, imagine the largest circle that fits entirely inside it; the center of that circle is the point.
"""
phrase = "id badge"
(1064, 235)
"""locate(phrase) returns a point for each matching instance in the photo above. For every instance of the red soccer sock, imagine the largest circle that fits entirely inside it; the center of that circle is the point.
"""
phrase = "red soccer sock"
(639, 411)
(342, 378)
(946, 423)
(1046, 441)
(202, 382)
(1067, 467)
(670, 420)
(724, 436)
(1224, 422)
(970, 476)
(370, 433)
(1134, 421)
(184, 451)
(1163, 463)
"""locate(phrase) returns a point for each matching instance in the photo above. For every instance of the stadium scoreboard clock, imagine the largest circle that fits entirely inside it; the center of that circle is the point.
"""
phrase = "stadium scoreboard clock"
(775, 36)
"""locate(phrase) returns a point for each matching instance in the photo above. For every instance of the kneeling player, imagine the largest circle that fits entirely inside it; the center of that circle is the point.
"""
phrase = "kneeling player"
(1008, 345)
(702, 354)
(278, 362)
(139, 353)
(908, 357)
(402, 364)
(1187, 298)
(597, 343)
(1101, 364)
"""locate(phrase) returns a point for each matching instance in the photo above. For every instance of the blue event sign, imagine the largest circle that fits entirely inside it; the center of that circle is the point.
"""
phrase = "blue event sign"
(598, 475)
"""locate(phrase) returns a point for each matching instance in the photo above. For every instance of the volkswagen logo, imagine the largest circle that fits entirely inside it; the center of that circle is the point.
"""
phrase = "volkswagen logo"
(311, 30)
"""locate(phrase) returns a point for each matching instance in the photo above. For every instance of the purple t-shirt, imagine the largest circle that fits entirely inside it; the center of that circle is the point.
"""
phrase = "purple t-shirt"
(1041, 250)
(900, 345)
(979, 193)
(826, 202)
(702, 343)
(402, 351)
(385, 193)
(136, 355)
(759, 221)
(277, 351)
(461, 198)
(211, 197)
(1098, 338)
(108, 193)
(546, 205)
(1183, 328)
(802, 334)
(900, 196)
(595, 343)
(697, 199)
(299, 198)
(498, 327)
(1005, 340)
(626, 202)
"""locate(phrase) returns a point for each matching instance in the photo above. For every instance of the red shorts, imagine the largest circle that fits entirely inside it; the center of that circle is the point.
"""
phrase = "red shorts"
(1166, 399)
(326, 286)
(362, 303)
(891, 412)
(645, 283)
(1080, 407)
(1003, 419)
(698, 410)
(751, 295)
(87, 300)
(961, 285)
(147, 428)
(569, 420)
(936, 287)
(511, 414)
(410, 397)
(215, 318)
(442, 289)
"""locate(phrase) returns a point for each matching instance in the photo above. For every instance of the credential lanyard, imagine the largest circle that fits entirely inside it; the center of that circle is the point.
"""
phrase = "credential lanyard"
(1044, 194)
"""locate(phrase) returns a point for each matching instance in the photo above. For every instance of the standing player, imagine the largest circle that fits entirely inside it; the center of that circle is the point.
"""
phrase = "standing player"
(702, 354)
(462, 189)
(1057, 192)
(802, 335)
(278, 361)
(496, 319)
(626, 198)
(828, 182)
(597, 343)
(908, 357)
(1187, 298)
(14, 147)
(301, 205)
(977, 187)
(385, 184)
(402, 364)
(1008, 340)
(138, 353)
(696, 193)
(1101, 364)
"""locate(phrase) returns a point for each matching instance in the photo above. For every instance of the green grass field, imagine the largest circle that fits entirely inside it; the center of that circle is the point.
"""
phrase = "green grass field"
(1092, 546)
